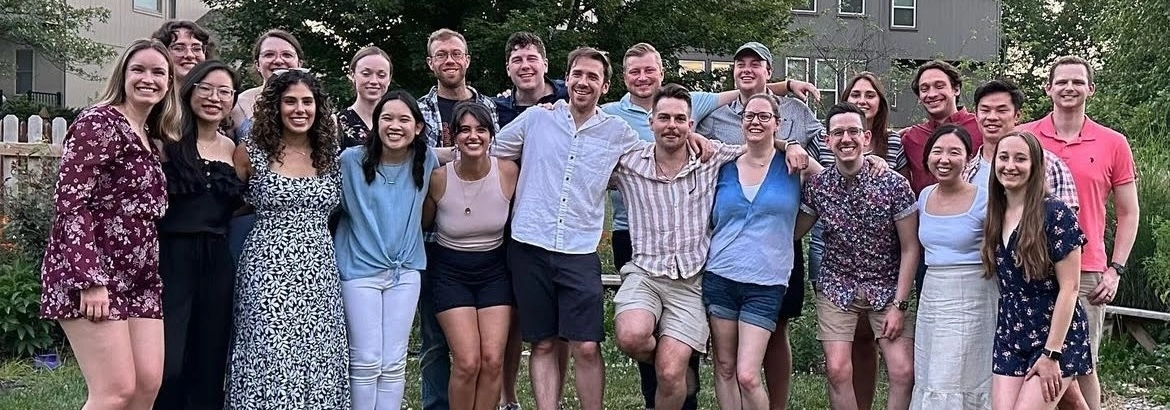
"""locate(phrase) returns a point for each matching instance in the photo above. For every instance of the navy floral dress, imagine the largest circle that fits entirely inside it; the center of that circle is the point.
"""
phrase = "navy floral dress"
(1025, 307)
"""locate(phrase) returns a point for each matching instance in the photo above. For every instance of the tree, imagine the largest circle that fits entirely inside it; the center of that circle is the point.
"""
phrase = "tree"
(56, 29)
(332, 30)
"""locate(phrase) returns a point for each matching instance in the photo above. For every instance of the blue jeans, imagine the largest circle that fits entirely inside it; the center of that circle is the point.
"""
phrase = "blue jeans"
(435, 359)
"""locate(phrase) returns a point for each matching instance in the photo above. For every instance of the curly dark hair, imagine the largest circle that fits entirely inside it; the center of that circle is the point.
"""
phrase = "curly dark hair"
(374, 148)
(268, 129)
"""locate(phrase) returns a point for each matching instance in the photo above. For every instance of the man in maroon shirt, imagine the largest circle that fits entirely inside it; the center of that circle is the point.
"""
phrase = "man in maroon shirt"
(936, 84)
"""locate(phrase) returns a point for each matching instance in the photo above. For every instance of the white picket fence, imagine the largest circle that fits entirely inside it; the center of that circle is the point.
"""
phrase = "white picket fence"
(25, 143)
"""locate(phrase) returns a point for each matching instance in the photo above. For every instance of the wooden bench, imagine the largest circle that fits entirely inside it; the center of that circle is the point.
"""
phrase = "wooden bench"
(611, 281)
(1132, 321)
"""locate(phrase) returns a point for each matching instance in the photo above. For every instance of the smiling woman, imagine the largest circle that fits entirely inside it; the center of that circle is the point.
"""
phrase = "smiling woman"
(100, 274)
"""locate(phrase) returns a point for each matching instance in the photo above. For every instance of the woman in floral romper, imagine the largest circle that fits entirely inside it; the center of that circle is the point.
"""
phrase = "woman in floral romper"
(100, 274)
(1032, 243)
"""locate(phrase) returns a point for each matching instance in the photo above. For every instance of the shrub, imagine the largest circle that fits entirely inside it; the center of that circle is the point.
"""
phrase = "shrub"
(26, 209)
(1147, 284)
(22, 332)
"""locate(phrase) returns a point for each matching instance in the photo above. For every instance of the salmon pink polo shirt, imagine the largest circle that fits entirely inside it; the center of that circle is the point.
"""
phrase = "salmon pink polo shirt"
(914, 143)
(1100, 160)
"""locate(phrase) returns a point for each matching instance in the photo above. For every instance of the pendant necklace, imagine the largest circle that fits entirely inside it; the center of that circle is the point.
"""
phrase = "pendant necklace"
(478, 188)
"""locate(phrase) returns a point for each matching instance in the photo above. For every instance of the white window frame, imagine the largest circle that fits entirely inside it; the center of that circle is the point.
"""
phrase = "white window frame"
(683, 69)
(913, 8)
(813, 10)
(31, 72)
(156, 9)
(836, 90)
(807, 75)
(892, 93)
(842, 12)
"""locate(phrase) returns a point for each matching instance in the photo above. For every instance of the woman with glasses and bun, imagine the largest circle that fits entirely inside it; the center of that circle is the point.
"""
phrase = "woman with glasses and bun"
(289, 343)
(197, 269)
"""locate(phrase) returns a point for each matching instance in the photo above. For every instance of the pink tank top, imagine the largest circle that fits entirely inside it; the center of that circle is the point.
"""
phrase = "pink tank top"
(471, 215)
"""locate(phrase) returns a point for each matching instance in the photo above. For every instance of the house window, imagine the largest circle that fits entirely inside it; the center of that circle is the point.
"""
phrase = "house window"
(806, 6)
(851, 6)
(826, 81)
(24, 70)
(689, 66)
(796, 68)
(721, 65)
(892, 93)
(903, 13)
(152, 6)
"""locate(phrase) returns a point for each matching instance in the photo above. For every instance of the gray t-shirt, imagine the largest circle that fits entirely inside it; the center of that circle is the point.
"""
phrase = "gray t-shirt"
(797, 123)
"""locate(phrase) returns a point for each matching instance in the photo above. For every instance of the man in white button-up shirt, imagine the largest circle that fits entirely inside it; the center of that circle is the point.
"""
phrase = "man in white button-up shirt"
(569, 153)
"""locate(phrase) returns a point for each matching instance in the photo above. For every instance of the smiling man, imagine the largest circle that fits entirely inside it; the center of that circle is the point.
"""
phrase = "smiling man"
(937, 85)
(527, 67)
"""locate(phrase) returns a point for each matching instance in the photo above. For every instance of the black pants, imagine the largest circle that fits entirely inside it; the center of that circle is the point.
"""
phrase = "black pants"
(623, 252)
(198, 276)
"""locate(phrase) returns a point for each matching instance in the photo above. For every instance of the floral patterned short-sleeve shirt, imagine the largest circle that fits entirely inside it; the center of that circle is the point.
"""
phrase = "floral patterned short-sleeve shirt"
(862, 251)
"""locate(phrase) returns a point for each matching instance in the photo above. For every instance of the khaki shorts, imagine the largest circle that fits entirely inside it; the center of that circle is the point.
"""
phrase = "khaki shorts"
(677, 304)
(837, 325)
(1095, 314)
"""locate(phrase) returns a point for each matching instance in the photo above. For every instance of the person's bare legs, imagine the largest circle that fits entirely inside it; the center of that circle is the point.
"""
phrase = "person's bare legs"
(1031, 394)
(778, 367)
(839, 369)
(899, 355)
(725, 343)
(105, 356)
(1004, 391)
(753, 340)
(672, 362)
(461, 328)
(589, 374)
(493, 339)
(512, 355)
(1084, 393)
(545, 373)
(146, 341)
(634, 329)
(865, 363)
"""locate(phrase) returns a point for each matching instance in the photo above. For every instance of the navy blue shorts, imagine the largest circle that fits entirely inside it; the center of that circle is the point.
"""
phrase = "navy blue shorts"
(756, 305)
(468, 279)
(558, 295)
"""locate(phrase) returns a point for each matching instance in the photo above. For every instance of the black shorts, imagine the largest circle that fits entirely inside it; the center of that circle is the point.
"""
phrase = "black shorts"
(623, 249)
(557, 294)
(468, 279)
(793, 301)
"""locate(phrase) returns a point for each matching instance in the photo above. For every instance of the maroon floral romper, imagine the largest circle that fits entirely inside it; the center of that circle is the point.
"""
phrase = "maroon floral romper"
(110, 193)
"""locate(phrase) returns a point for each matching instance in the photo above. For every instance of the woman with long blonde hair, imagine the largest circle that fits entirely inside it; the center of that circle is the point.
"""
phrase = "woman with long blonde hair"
(100, 275)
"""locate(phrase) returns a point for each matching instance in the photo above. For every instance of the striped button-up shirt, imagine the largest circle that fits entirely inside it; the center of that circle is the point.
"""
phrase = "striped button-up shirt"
(560, 196)
(1056, 173)
(670, 218)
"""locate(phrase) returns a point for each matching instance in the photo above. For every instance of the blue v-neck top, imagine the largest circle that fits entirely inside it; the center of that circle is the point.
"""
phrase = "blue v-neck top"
(752, 240)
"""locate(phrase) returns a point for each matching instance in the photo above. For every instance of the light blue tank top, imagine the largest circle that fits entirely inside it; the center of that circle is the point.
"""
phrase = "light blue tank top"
(952, 239)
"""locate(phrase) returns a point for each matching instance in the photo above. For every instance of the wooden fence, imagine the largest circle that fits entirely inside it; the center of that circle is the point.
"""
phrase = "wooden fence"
(24, 143)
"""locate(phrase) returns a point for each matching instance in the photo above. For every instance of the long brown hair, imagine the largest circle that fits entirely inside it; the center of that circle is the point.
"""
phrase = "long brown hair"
(879, 144)
(268, 126)
(162, 123)
(1031, 242)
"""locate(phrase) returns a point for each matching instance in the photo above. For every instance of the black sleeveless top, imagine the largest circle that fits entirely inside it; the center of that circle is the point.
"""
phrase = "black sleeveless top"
(206, 208)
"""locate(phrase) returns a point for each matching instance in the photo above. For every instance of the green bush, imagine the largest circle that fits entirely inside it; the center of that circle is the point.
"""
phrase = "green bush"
(1147, 284)
(22, 332)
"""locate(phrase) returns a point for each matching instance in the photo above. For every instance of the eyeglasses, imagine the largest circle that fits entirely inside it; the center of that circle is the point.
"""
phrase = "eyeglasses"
(840, 132)
(182, 49)
(286, 70)
(204, 90)
(454, 55)
(749, 116)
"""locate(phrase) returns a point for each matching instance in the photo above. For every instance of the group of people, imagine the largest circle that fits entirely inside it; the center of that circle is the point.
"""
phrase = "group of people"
(218, 248)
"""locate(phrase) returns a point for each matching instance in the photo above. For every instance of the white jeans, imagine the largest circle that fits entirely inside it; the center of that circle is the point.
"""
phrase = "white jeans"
(379, 312)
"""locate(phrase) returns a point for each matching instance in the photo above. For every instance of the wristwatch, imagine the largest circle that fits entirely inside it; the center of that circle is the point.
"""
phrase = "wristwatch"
(789, 143)
(1051, 354)
(902, 305)
(1117, 267)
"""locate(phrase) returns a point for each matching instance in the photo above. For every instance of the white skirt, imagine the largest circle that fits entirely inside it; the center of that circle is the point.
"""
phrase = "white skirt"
(953, 337)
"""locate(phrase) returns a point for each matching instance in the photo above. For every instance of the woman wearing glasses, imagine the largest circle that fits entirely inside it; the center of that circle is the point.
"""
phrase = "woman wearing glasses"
(756, 203)
(274, 50)
(188, 43)
(197, 270)
(289, 344)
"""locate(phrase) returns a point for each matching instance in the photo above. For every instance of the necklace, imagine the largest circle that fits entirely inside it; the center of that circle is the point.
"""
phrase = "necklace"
(297, 151)
(478, 188)
(667, 175)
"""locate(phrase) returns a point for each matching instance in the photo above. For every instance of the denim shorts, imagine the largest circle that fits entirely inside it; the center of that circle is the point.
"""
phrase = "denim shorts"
(756, 305)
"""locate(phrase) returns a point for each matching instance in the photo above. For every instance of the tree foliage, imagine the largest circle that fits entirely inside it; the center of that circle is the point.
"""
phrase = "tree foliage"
(332, 30)
(56, 28)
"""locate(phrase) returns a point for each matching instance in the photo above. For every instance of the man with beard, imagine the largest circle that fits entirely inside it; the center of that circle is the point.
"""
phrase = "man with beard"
(448, 59)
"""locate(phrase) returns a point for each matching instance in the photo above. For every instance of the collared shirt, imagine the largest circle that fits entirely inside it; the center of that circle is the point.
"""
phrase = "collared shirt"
(1100, 160)
(702, 105)
(560, 196)
(670, 218)
(797, 123)
(862, 249)
(429, 105)
(914, 143)
(507, 109)
(1059, 178)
